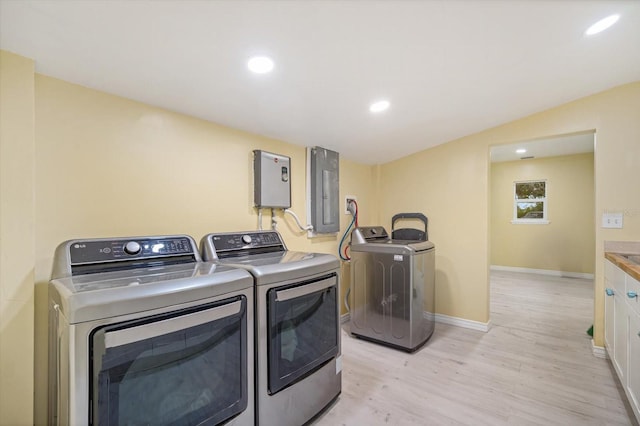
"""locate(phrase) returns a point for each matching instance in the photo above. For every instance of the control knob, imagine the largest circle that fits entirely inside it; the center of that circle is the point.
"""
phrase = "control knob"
(246, 239)
(132, 248)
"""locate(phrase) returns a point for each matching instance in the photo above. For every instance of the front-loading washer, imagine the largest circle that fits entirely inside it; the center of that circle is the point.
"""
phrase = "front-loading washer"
(143, 332)
(298, 358)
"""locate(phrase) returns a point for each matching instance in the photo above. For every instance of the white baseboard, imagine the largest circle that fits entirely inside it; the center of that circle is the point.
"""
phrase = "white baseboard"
(598, 351)
(542, 272)
(464, 323)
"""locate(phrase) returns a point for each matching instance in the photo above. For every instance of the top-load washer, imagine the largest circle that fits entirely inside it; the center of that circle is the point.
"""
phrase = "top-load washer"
(392, 288)
(299, 369)
(143, 332)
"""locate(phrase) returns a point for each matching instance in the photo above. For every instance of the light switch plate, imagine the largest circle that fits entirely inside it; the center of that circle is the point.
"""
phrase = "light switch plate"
(612, 220)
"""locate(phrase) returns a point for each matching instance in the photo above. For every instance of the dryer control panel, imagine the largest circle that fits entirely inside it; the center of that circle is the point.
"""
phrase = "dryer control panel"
(84, 256)
(246, 240)
(236, 244)
(83, 251)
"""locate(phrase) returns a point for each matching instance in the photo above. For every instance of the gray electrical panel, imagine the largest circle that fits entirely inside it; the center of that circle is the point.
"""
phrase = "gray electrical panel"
(324, 192)
(271, 180)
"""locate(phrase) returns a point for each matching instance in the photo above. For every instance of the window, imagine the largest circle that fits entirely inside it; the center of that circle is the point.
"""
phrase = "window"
(530, 202)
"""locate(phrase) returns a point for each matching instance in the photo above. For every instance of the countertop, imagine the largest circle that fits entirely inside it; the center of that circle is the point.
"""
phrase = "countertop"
(627, 266)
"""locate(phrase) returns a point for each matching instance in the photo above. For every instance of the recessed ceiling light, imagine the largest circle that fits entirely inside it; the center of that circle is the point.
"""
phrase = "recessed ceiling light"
(602, 25)
(260, 64)
(379, 106)
(521, 151)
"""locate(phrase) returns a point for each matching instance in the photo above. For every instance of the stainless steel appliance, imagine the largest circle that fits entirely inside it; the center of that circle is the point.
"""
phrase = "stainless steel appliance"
(393, 288)
(143, 332)
(299, 369)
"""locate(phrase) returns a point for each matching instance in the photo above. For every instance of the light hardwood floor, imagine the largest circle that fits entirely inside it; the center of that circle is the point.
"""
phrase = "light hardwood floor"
(534, 367)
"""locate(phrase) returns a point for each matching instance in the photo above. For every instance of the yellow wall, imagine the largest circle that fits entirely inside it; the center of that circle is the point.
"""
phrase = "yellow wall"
(567, 243)
(448, 181)
(448, 184)
(16, 239)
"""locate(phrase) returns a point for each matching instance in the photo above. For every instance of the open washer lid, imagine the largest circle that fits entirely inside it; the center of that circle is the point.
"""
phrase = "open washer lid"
(374, 239)
(99, 278)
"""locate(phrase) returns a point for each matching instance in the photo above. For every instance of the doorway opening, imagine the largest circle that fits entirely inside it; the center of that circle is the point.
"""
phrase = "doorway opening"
(542, 208)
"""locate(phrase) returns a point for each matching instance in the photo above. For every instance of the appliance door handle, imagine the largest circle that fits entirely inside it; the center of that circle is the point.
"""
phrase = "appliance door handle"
(303, 290)
(147, 331)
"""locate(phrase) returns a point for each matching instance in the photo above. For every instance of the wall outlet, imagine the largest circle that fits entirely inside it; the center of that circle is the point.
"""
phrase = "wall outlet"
(347, 199)
(612, 220)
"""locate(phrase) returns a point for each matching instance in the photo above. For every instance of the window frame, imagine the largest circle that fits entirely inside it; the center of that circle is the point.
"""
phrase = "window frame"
(544, 220)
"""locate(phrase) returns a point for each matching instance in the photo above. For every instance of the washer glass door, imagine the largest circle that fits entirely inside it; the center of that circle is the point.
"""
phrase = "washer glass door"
(303, 330)
(187, 367)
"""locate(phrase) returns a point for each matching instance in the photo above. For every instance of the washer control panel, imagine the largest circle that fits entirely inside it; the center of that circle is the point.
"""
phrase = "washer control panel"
(123, 249)
(247, 240)
(369, 234)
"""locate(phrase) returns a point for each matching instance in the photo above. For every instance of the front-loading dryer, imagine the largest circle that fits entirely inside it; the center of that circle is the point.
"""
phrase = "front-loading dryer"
(143, 332)
(298, 358)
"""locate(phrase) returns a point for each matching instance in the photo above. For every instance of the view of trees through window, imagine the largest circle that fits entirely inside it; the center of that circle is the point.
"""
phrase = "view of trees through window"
(530, 199)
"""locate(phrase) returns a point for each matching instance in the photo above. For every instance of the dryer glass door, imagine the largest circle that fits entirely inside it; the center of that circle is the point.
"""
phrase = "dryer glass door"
(186, 367)
(303, 330)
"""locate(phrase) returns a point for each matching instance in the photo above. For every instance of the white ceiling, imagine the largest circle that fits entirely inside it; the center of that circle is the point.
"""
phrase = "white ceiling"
(548, 147)
(449, 68)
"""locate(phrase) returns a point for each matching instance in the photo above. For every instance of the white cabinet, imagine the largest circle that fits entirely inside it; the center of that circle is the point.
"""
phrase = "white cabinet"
(622, 329)
(609, 312)
(634, 362)
(609, 318)
(632, 292)
(620, 335)
(633, 379)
